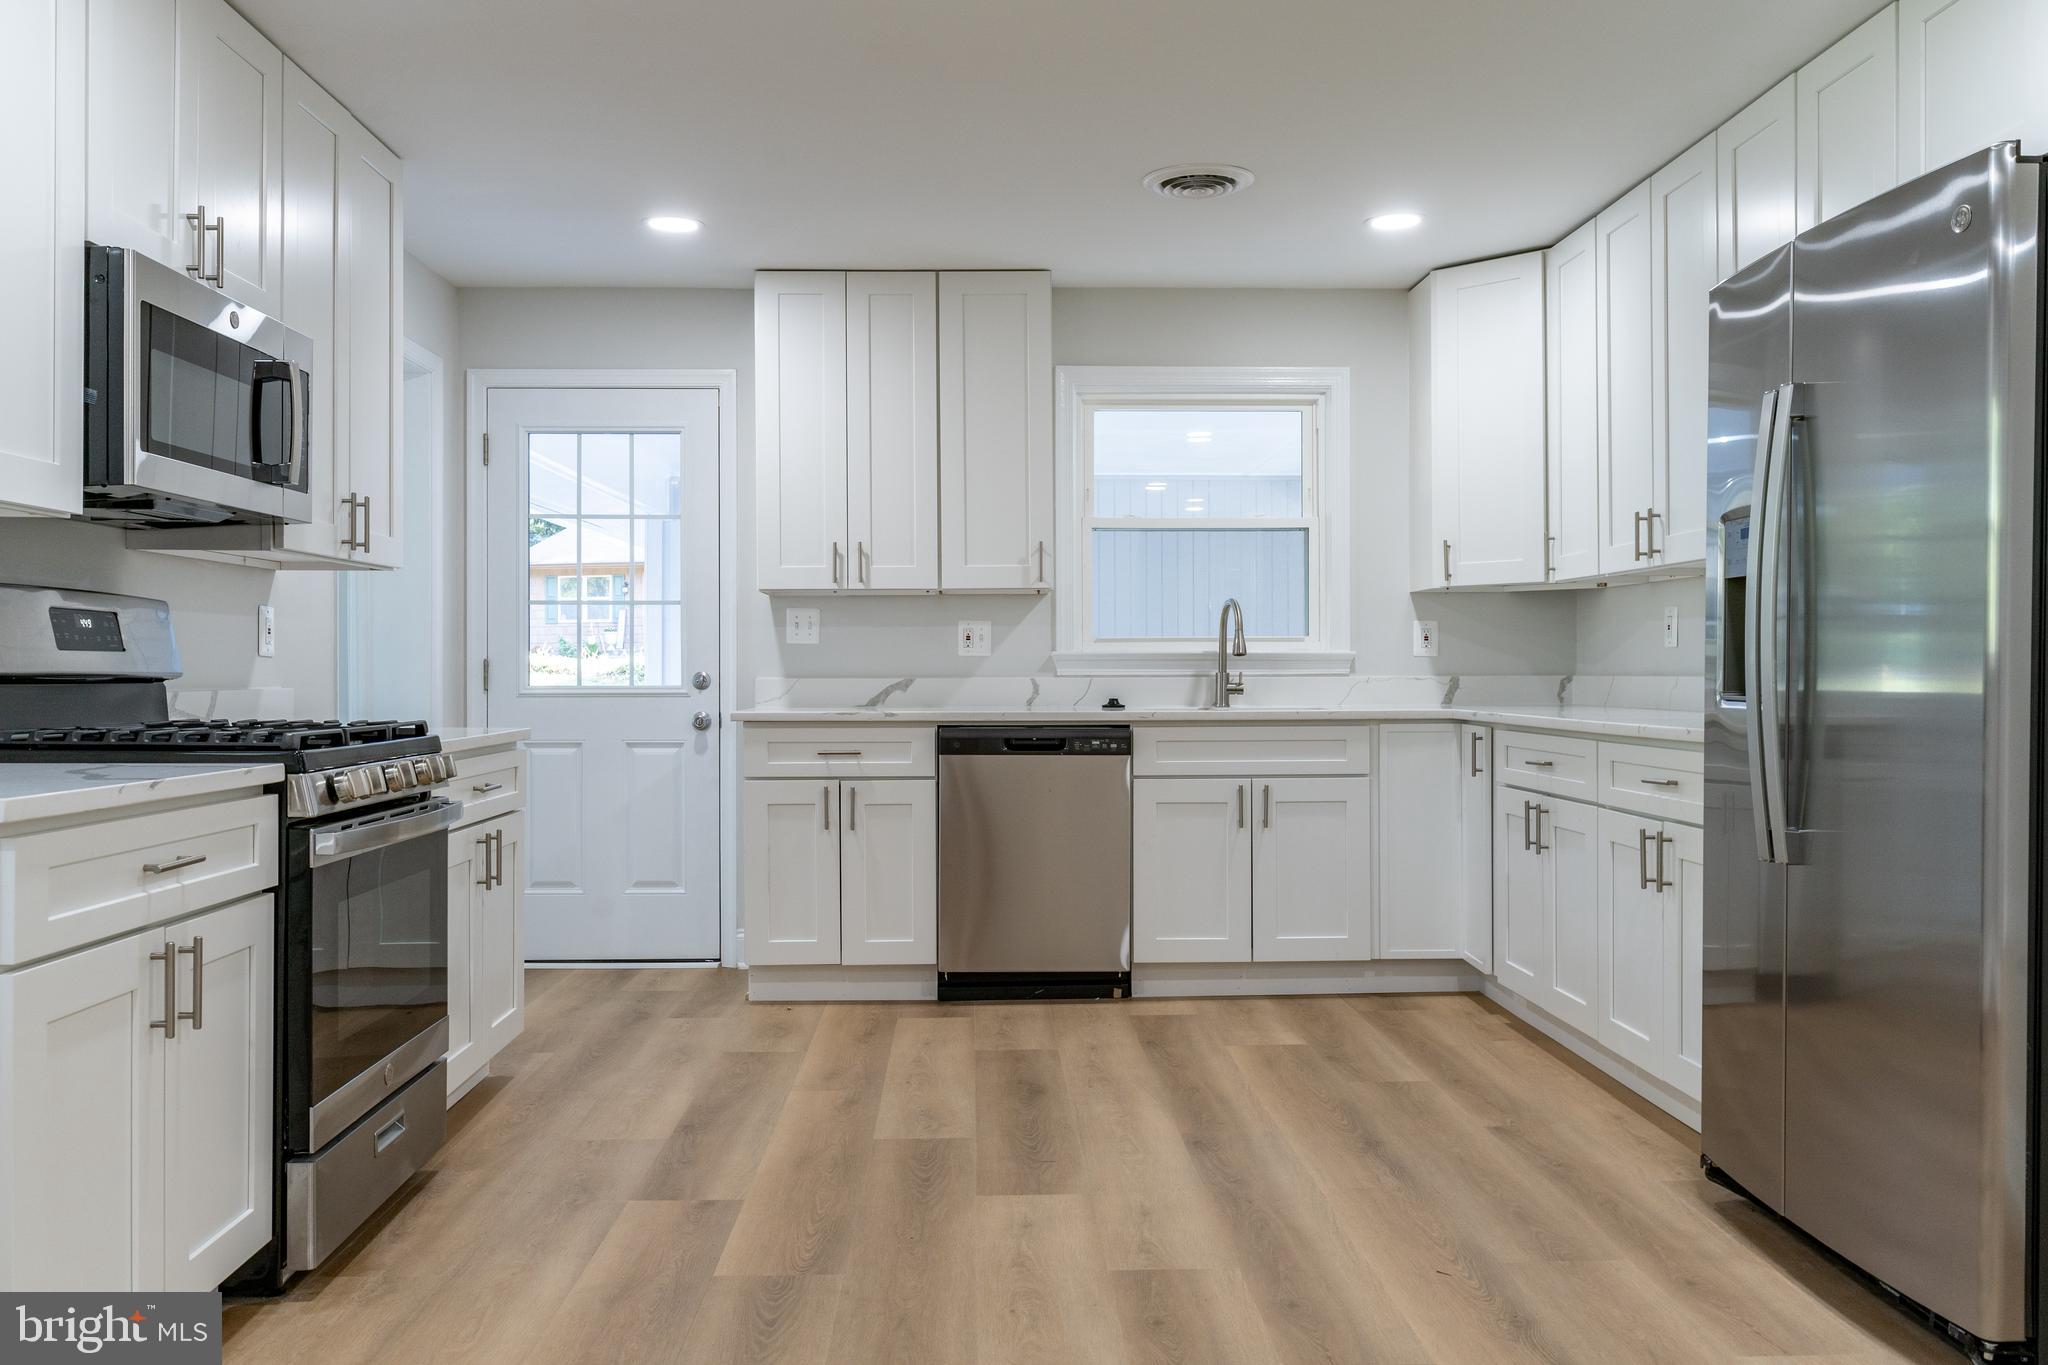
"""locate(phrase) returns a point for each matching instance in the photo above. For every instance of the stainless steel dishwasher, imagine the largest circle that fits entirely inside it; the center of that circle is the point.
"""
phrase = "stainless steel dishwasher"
(1034, 861)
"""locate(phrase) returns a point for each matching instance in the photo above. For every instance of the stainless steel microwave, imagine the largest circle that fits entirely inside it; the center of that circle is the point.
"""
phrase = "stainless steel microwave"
(195, 406)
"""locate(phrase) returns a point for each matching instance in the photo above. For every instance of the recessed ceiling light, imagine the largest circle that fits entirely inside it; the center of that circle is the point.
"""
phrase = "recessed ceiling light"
(1155, 488)
(1199, 438)
(662, 222)
(1394, 222)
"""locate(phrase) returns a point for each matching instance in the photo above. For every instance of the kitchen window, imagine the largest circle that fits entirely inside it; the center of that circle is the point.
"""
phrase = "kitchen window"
(1187, 487)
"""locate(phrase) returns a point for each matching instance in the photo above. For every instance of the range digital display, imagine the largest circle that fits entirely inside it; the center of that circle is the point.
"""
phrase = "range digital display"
(85, 630)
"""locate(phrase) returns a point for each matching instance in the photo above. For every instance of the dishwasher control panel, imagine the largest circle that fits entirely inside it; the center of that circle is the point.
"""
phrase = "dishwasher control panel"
(1085, 741)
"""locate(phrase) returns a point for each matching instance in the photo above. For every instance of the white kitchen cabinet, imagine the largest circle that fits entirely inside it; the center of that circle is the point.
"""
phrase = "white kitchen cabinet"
(1571, 368)
(995, 430)
(892, 429)
(1191, 869)
(144, 1160)
(373, 258)
(1623, 284)
(800, 429)
(1547, 903)
(1969, 76)
(469, 861)
(1424, 873)
(1757, 153)
(1847, 119)
(486, 923)
(230, 121)
(1312, 869)
(1520, 879)
(889, 873)
(42, 346)
(1652, 968)
(1477, 489)
(1475, 837)
(131, 147)
(1684, 246)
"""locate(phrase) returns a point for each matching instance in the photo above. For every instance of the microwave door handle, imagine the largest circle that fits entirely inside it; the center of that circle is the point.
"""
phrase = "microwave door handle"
(295, 466)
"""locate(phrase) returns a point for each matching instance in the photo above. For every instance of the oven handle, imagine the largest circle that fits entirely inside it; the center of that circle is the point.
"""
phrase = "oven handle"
(432, 818)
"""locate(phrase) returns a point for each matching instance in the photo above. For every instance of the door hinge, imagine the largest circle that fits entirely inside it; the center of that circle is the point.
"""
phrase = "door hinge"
(487, 675)
(487, 448)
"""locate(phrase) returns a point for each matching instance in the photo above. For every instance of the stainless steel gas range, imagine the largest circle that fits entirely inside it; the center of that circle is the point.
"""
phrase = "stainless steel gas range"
(362, 928)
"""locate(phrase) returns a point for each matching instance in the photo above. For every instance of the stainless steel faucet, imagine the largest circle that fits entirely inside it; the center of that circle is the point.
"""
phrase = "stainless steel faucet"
(1227, 686)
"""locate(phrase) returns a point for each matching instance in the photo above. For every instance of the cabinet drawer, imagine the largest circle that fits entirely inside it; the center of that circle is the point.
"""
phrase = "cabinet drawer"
(60, 888)
(1557, 764)
(839, 751)
(1667, 783)
(1251, 750)
(489, 784)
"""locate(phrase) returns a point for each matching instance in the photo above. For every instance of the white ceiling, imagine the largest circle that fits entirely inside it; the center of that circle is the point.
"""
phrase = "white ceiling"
(918, 133)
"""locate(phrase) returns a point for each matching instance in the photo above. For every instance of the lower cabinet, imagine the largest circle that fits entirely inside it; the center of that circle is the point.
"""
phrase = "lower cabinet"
(1435, 862)
(1268, 869)
(136, 1120)
(1651, 965)
(841, 871)
(1546, 903)
(486, 944)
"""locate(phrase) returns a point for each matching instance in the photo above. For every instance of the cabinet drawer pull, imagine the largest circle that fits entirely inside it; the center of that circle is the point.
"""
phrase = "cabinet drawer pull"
(1540, 812)
(482, 788)
(484, 843)
(1240, 805)
(1643, 859)
(1476, 737)
(1528, 823)
(169, 957)
(1662, 840)
(390, 1133)
(826, 804)
(852, 809)
(840, 753)
(1659, 781)
(498, 857)
(1266, 814)
(197, 1014)
(1539, 763)
(183, 860)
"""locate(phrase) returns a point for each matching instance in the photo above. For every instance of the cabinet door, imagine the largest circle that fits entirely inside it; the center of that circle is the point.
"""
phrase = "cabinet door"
(995, 429)
(230, 136)
(800, 429)
(1571, 365)
(373, 264)
(1568, 835)
(498, 942)
(1312, 873)
(892, 429)
(1969, 76)
(1521, 938)
(1757, 151)
(220, 1143)
(1848, 114)
(42, 345)
(1684, 869)
(1486, 419)
(1684, 231)
(1422, 866)
(316, 133)
(131, 147)
(81, 1138)
(1191, 870)
(1635, 993)
(889, 872)
(790, 881)
(469, 859)
(1475, 851)
(1622, 272)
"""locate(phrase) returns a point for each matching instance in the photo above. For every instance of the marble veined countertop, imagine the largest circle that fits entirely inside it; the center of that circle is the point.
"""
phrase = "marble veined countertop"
(43, 791)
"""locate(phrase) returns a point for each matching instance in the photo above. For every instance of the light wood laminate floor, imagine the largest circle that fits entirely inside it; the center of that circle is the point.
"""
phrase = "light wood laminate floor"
(661, 1171)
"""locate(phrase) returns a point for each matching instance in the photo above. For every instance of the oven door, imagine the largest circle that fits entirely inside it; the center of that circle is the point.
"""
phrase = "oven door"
(366, 975)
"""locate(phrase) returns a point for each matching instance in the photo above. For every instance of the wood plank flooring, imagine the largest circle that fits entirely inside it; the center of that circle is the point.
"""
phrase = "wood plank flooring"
(660, 1171)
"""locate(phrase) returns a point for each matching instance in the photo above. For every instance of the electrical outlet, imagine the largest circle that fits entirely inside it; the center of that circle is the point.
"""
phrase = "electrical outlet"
(800, 625)
(974, 638)
(1425, 639)
(1671, 627)
(266, 631)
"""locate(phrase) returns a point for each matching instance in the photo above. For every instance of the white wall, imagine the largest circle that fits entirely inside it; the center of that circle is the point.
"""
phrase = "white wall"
(1621, 630)
(431, 321)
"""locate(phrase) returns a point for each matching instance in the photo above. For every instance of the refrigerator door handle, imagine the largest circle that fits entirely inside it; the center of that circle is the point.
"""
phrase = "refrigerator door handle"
(1766, 729)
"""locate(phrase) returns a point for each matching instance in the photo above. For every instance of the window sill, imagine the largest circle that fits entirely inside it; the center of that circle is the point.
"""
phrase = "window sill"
(1195, 662)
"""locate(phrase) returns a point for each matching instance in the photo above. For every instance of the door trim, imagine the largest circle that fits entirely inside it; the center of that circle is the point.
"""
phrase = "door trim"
(726, 383)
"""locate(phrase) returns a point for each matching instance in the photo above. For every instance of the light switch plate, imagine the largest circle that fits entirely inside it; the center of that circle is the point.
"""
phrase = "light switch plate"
(800, 625)
(1671, 627)
(974, 638)
(1425, 639)
(266, 632)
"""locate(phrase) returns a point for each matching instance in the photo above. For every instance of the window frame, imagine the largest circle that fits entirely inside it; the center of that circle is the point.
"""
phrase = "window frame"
(1322, 394)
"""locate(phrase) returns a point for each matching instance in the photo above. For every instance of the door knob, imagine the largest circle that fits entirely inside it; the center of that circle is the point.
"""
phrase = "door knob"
(701, 721)
(700, 680)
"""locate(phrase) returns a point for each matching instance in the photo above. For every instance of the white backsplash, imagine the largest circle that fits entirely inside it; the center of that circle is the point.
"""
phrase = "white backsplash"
(236, 703)
(1056, 694)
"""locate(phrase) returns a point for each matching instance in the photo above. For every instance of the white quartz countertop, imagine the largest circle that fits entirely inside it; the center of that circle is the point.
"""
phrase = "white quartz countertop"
(463, 739)
(44, 791)
(1674, 727)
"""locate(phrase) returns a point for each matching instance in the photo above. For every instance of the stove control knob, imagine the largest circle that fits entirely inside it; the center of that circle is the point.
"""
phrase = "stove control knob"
(369, 782)
(423, 772)
(444, 767)
(397, 776)
(340, 790)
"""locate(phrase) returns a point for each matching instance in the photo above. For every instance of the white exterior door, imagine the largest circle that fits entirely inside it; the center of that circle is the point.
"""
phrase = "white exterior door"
(602, 587)
(1475, 853)
(800, 429)
(1191, 870)
(1421, 864)
(889, 872)
(1634, 998)
(1312, 877)
(1572, 366)
(1621, 252)
(1568, 834)
(219, 1140)
(230, 131)
(1757, 152)
(790, 884)
(1848, 116)
(995, 429)
(892, 429)
(1684, 232)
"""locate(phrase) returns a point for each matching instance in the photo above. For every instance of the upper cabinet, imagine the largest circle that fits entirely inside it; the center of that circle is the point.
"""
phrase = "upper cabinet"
(1478, 442)
(230, 121)
(1623, 283)
(1758, 152)
(1684, 212)
(1571, 357)
(1969, 76)
(1848, 107)
(903, 430)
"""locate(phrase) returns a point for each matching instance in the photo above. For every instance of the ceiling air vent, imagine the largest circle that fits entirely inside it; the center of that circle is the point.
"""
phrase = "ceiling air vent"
(1197, 182)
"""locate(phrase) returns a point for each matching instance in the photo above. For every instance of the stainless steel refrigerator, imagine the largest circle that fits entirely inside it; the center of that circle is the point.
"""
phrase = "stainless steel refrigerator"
(1874, 816)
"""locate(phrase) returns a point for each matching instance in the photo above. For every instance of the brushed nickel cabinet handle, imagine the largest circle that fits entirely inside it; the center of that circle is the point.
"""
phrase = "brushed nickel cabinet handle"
(1541, 811)
(1240, 805)
(840, 753)
(1539, 763)
(197, 268)
(1549, 564)
(183, 860)
(827, 804)
(169, 957)
(1528, 823)
(1643, 859)
(1662, 840)
(1266, 814)
(835, 563)
(498, 864)
(1041, 563)
(853, 810)
(484, 842)
(364, 544)
(482, 788)
(1476, 736)
(860, 558)
(1650, 550)
(1638, 546)
(197, 1014)
(1447, 561)
(1659, 781)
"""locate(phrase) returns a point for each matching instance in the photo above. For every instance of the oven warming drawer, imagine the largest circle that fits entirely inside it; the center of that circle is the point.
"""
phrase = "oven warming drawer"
(330, 1195)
